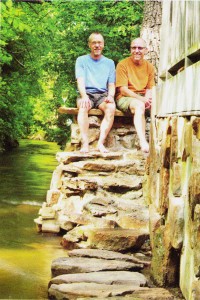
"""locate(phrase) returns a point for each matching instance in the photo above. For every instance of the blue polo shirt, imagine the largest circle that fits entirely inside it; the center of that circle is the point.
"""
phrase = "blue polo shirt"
(97, 74)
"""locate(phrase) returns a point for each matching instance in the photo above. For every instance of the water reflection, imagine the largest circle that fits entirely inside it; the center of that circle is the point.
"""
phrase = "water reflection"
(25, 255)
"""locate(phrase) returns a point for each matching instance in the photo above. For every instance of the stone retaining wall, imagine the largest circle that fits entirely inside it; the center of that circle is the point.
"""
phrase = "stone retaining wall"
(173, 191)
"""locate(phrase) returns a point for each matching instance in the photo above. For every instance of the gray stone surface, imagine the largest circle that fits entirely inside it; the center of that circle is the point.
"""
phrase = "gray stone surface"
(96, 253)
(67, 157)
(108, 277)
(102, 291)
(71, 265)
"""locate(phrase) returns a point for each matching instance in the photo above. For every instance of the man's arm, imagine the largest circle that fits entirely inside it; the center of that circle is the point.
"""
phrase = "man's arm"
(81, 87)
(84, 102)
(111, 93)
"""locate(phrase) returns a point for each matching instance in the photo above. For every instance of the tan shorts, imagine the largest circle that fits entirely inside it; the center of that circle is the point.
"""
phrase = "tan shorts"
(124, 102)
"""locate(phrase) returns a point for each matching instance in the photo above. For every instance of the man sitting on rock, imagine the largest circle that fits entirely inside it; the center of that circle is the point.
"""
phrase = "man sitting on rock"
(134, 81)
(95, 76)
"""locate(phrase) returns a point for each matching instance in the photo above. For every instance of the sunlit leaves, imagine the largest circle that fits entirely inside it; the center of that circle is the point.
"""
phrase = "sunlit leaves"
(39, 47)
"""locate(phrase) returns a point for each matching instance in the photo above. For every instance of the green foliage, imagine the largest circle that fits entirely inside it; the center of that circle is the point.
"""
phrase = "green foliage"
(39, 47)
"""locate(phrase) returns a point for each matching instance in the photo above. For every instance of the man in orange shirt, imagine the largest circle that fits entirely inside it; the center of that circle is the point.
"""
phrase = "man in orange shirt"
(134, 81)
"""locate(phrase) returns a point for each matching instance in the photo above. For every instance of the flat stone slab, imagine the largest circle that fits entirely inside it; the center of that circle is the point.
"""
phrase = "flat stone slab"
(123, 184)
(131, 167)
(93, 112)
(105, 254)
(108, 277)
(75, 290)
(68, 157)
(147, 294)
(72, 265)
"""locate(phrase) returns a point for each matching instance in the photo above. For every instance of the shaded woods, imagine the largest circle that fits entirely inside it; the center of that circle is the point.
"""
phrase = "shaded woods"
(39, 45)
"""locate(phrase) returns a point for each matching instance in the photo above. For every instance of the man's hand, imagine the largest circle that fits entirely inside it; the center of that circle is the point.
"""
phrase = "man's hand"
(109, 99)
(148, 103)
(148, 96)
(84, 103)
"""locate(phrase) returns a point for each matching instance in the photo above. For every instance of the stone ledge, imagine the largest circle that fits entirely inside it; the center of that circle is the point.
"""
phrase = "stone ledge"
(92, 112)
(68, 157)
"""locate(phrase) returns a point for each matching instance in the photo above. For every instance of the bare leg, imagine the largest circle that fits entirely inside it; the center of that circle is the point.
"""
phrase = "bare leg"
(106, 124)
(83, 123)
(140, 124)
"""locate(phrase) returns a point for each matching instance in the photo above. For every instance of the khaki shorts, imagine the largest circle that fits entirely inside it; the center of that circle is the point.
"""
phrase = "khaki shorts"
(123, 103)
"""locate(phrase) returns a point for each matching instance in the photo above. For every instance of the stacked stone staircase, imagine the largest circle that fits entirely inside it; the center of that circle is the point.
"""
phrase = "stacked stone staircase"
(102, 194)
(96, 200)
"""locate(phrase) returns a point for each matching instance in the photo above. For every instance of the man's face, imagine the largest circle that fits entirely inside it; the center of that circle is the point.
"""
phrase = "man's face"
(138, 50)
(96, 44)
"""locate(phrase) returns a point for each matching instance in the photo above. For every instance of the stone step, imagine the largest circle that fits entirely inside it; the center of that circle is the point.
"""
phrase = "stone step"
(102, 166)
(108, 277)
(73, 265)
(115, 183)
(68, 157)
(104, 254)
(92, 112)
(84, 289)
(101, 274)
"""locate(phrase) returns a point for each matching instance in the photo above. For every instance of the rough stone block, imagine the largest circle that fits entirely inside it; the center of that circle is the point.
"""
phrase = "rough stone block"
(176, 221)
(154, 222)
(163, 187)
(176, 179)
(75, 134)
(187, 141)
(116, 239)
(56, 181)
(135, 220)
(194, 192)
(80, 184)
(174, 141)
(47, 213)
(50, 226)
(165, 260)
(165, 140)
(195, 290)
(196, 126)
(53, 196)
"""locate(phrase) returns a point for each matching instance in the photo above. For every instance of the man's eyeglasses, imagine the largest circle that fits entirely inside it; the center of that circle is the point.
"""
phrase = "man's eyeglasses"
(139, 48)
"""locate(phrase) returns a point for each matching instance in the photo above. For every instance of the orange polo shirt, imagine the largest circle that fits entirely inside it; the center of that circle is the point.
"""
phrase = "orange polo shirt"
(137, 78)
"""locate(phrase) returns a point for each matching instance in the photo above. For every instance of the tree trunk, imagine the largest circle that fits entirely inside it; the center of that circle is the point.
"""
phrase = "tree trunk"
(150, 30)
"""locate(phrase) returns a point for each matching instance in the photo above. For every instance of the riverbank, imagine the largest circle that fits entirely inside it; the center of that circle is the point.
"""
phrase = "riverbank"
(25, 255)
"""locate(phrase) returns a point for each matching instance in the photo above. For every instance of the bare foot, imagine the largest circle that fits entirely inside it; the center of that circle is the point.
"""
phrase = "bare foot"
(102, 149)
(84, 149)
(144, 147)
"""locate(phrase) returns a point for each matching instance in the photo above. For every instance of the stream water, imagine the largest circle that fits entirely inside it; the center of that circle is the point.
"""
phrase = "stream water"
(25, 255)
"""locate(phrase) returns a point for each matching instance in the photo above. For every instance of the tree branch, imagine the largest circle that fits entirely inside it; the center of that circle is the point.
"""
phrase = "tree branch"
(23, 66)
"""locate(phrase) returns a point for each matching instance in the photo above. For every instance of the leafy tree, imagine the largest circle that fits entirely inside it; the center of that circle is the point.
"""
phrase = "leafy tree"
(39, 46)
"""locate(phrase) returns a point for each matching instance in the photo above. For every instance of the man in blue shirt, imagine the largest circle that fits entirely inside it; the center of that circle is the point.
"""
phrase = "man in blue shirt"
(95, 76)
